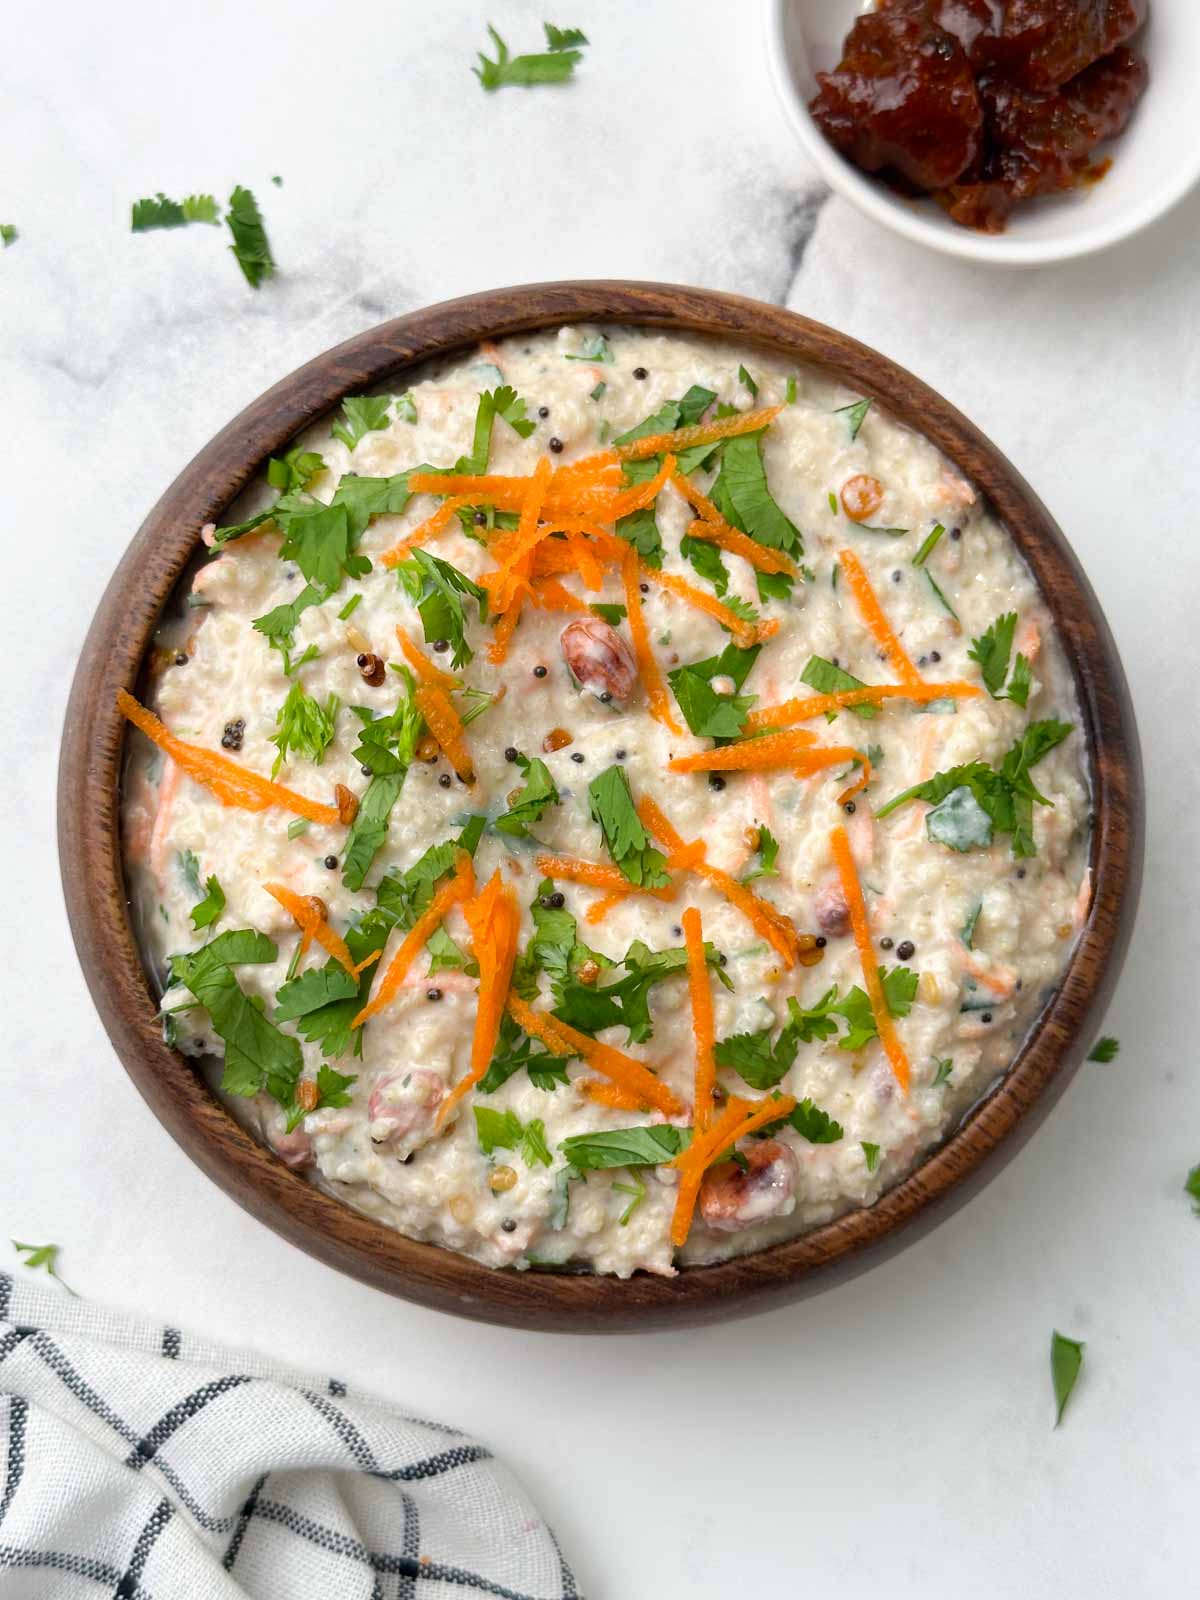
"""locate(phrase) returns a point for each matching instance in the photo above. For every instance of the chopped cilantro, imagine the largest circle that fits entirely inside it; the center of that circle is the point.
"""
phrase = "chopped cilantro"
(825, 678)
(406, 407)
(967, 934)
(350, 607)
(709, 714)
(741, 495)
(563, 38)
(935, 587)
(514, 1051)
(833, 503)
(504, 1130)
(611, 803)
(1104, 1050)
(610, 614)
(1192, 1187)
(944, 1068)
(505, 403)
(304, 725)
(745, 378)
(638, 1190)
(766, 851)
(8, 234)
(641, 1146)
(992, 650)
(361, 414)
(293, 472)
(386, 745)
(42, 1256)
(855, 415)
(250, 247)
(598, 391)
(163, 213)
(928, 546)
(554, 949)
(208, 910)
(1066, 1360)
(438, 590)
(870, 1155)
(257, 1055)
(556, 65)
(333, 1089)
(189, 865)
(594, 349)
(538, 792)
(297, 826)
(625, 1002)
(324, 1001)
(403, 898)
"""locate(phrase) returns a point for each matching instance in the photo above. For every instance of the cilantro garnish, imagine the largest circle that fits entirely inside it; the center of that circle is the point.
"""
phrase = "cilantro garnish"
(250, 247)
(514, 1050)
(611, 804)
(163, 213)
(324, 1001)
(505, 1130)
(292, 473)
(825, 678)
(386, 745)
(994, 801)
(944, 1068)
(709, 714)
(789, 393)
(42, 1255)
(1066, 1360)
(555, 65)
(625, 1002)
(8, 234)
(640, 528)
(638, 1190)
(505, 403)
(763, 1064)
(642, 1146)
(437, 590)
(555, 948)
(766, 852)
(610, 614)
(406, 407)
(870, 1155)
(333, 1089)
(189, 864)
(538, 792)
(935, 587)
(992, 650)
(741, 495)
(598, 391)
(1104, 1050)
(745, 378)
(361, 414)
(304, 725)
(403, 898)
(706, 558)
(1192, 1187)
(257, 1055)
(594, 349)
(210, 908)
(929, 545)
(855, 415)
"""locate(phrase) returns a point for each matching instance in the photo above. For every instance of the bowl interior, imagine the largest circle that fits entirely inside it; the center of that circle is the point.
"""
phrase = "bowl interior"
(1155, 160)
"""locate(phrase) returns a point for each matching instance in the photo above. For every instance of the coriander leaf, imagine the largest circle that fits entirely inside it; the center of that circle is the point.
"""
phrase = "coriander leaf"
(1020, 683)
(554, 949)
(709, 714)
(514, 1050)
(1192, 1187)
(403, 898)
(497, 1129)
(598, 391)
(589, 1007)
(855, 415)
(638, 1190)
(610, 614)
(42, 1255)
(960, 822)
(1104, 1050)
(305, 725)
(967, 934)
(611, 804)
(640, 528)
(534, 1149)
(938, 594)
(325, 1000)
(774, 585)
(317, 987)
(594, 349)
(257, 1055)
(250, 247)
(332, 1090)
(211, 907)
(762, 1064)
(929, 545)
(992, 650)
(815, 1125)
(406, 407)
(706, 558)
(944, 1068)
(164, 213)
(899, 991)
(789, 393)
(538, 792)
(745, 378)
(767, 851)
(643, 1146)
(890, 533)
(189, 865)
(293, 472)
(361, 414)
(825, 678)
(201, 208)
(741, 495)
(1066, 1360)
(8, 234)
(369, 828)
(438, 590)
(563, 38)
(386, 745)
(556, 66)
(870, 1155)
(320, 543)
(503, 402)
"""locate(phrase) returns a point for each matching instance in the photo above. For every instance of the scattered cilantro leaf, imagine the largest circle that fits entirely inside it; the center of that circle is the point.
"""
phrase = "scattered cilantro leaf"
(361, 414)
(163, 213)
(503, 1130)
(386, 745)
(825, 678)
(992, 650)
(960, 822)
(555, 66)
(944, 1068)
(741, 495)
(8, 234)
(611, 802)
(503, 402)
(304, 725)
(643, 1146)
(855, 415)
(967, 935)
(707, 713)
(638, 1190)
(789, 393)
(189, 865)
(815, 1125)
(870, 1155)
(324, 1001)
(42, 1255)
(1066, 1360)
(938, 593)
(706, 558)
(929, 545)
(563, 38)
(350, 607)
(250, 247)
(767, 852)
(297, 826)
(406, 407)
(333, 1089)
(292, 473)
(1104, 1050)
(403, 897)
(257, 1055)
(538, 792)
(625, 1002)
(438, 591)
(594, 349)
(555, 948)
(1192, 1187)
(745, 379)
(534, 1149)
(598, 391)
(610, 614)
(210, 908)
(514, 1051)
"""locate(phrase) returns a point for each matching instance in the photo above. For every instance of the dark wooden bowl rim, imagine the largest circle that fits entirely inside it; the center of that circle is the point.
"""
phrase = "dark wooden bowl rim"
(94, 884)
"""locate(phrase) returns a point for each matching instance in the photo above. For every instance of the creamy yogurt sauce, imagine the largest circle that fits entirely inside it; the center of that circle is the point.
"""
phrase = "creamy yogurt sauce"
(983, 932)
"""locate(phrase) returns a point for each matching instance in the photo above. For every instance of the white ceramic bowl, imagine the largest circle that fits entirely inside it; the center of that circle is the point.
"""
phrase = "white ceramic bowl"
(1155, 161)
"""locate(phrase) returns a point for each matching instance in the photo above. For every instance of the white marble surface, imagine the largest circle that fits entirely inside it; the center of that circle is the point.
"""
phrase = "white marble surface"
(892, 1436)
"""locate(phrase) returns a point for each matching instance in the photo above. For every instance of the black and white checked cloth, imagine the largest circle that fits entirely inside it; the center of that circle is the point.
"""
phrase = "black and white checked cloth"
(137, 1462)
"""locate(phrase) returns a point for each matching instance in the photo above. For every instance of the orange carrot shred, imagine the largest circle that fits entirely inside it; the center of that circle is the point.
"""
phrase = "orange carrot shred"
(861, 783)
(595, 875)
(494, 921)
(703, 433)
(421, 664)
(876, 621)
(648, 668)
(641, 495)
(312, 924)
(550, 595)
(602, 1058)
(852, 890)
(446, 726)
(746, 633)
(429, 529)
(231, 783)
(794, 748)
(611, 1094)
(598, 912)
(739, 544)
(740, 1118)
(504, 630)
(700, 503)
(788, 712)
(700, 991)
(456, 888)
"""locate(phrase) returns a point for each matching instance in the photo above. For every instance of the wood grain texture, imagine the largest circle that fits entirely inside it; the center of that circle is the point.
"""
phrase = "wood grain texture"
(95, 892)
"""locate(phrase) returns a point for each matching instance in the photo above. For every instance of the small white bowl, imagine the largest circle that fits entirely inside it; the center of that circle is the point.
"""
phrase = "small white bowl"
(1155, 161)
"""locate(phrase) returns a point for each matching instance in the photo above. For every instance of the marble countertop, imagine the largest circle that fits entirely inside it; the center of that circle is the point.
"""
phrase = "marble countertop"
(891, 1436)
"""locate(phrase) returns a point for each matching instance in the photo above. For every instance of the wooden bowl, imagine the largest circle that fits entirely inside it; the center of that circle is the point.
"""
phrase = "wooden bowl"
(94, 883)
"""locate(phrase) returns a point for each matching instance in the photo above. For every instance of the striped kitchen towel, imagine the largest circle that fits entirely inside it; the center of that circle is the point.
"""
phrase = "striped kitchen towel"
(138, 1462)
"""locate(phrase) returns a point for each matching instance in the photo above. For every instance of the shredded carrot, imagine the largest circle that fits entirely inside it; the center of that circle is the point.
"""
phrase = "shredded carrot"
(703, 433)
(367, 961)
(641, 495)
(815, 705)
(857, 787)
(602, 1058)
(421, 664)
(600, 910)
(739, 544)
(852, 891)
(648, 668)
(701, 505)
(595, 874)
(792, 749)
(309, 917)
(746, 633)
(429, 529)
(445, 725)
(232, 784)
(507, 493)
(550, 595)
(503, 632)
(876, 621)
(771, 923)
(740, 1118)
(514, 549)
(700, 991)
(456, 888)
(601, 464)
(494, 921)
(611, 1094)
